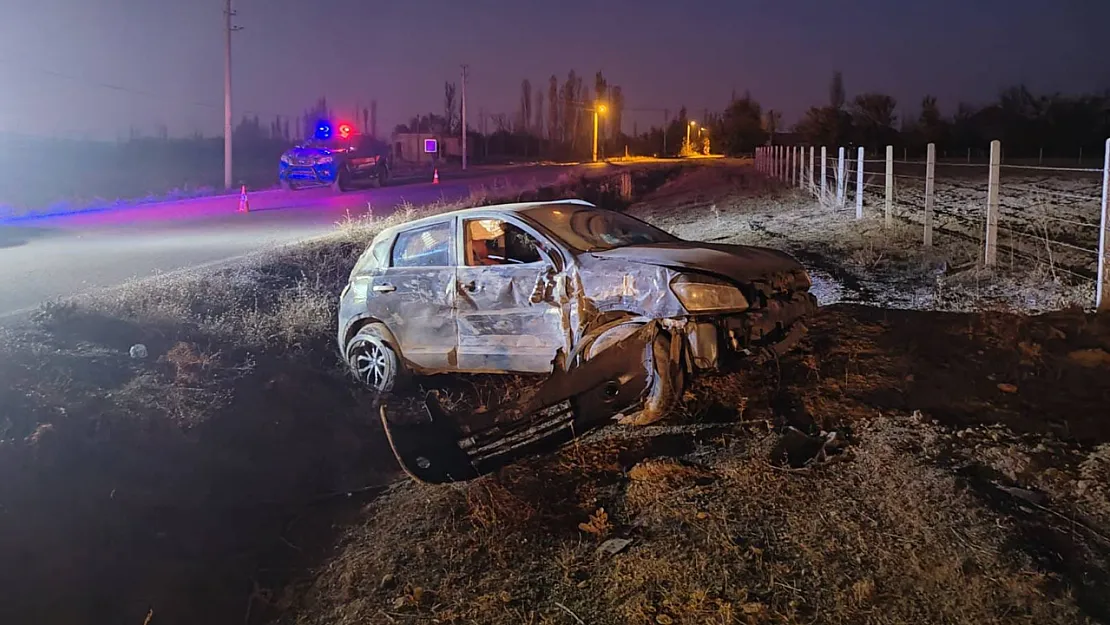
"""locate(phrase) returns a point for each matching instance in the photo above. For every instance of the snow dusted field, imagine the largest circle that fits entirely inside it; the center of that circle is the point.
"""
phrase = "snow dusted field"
(1048, 217)
(864, 261)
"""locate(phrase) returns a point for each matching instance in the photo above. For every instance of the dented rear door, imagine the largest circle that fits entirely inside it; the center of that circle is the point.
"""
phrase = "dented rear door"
(415, 296)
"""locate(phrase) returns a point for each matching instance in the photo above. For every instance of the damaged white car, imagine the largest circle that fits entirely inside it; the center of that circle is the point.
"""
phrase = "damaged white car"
(616, 312)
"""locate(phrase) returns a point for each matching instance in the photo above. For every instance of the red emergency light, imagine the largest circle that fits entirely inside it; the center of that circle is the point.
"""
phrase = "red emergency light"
(344, 131)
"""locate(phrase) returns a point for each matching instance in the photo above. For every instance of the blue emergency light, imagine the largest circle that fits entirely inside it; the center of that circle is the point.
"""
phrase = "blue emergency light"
(323, 130)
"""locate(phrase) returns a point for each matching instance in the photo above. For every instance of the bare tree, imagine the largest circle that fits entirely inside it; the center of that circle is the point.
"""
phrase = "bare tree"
(570, 108)
(616, 106)
(525, 105)
(539, 120)
(373, 118)
(449, 91)
(553, 109)
(836, 91)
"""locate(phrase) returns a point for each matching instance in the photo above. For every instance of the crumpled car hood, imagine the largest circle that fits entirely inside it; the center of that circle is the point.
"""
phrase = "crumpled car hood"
(741, 263)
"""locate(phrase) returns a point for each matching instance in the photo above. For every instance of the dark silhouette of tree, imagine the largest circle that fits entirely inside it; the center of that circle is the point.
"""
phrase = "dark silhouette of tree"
(538, 123)
(873, 118)
(525, 119)
(836, 91)
(741, 127)
(616, 106)
(554, 132)
(450, 114)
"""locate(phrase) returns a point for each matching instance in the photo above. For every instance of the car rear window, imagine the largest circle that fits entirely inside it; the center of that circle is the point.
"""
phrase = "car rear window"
(429, 246)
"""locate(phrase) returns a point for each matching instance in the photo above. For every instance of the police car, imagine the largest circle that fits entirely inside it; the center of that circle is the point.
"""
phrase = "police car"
(341, 158)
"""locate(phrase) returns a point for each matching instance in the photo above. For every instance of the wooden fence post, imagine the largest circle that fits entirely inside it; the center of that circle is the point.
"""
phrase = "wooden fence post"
(824, 173)
(840, 177)
(1102, 301)
(888, 206)
(859, 184)
(812, 184)
(801, 169)
(930, 180)
(990, 255)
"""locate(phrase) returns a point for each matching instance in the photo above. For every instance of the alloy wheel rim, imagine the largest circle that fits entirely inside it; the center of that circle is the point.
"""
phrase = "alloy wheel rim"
(370, 364)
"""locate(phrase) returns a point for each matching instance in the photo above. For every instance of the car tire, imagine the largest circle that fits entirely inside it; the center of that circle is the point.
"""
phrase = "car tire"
(288, 186)
(342, 181)
(373, 360)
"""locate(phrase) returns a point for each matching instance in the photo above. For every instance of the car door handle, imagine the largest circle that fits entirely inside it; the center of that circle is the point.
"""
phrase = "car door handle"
(384, 288)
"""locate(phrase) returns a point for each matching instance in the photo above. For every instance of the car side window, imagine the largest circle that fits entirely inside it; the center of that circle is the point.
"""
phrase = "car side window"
(429, 246)
(497, 242)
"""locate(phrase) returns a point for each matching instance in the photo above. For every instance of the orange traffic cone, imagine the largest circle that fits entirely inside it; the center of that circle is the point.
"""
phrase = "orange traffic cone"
(244, 202)
(435, 176)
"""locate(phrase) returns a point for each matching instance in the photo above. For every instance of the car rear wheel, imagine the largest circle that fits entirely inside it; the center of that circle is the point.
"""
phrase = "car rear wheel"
(288, 186)
(373, 361)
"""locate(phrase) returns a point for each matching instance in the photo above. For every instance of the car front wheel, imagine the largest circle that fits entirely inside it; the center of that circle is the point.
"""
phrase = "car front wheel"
(342, 180)
(373, 361)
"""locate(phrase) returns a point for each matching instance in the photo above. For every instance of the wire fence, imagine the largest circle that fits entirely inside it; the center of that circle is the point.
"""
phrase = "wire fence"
(1050, 215)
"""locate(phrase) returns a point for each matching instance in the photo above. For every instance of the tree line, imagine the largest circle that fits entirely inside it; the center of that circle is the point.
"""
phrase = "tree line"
(1028, 125)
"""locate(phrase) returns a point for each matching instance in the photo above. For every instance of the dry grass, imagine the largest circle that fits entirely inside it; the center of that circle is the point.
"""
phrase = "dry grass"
(217, 456)
(879, 534)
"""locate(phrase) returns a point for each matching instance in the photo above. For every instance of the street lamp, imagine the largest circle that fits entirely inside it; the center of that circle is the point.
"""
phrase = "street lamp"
(598, 109)
(692, 124)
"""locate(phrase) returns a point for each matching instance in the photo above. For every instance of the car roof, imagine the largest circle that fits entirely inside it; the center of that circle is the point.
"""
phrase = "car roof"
(515, 207)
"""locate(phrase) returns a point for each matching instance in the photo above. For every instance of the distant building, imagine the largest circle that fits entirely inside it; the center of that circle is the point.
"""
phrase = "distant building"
(410, 147)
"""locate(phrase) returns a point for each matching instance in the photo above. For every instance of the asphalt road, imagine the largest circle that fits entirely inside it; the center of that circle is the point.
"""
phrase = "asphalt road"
(47, 258)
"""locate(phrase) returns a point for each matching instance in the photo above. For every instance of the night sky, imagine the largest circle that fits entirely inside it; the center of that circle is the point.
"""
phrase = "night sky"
(663, 53)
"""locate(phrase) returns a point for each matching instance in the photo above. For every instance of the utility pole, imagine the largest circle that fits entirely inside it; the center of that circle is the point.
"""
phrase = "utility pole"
(595, 133)
(228, 28)
(463, 114)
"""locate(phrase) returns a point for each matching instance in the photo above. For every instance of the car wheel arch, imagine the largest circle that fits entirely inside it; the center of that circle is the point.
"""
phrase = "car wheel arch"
(387, 335)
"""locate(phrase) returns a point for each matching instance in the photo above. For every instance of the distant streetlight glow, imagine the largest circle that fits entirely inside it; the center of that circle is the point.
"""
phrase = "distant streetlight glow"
(692, 124)
(598, 109)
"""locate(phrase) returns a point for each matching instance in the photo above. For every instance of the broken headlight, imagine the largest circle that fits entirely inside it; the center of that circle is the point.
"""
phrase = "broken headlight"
(700, 294)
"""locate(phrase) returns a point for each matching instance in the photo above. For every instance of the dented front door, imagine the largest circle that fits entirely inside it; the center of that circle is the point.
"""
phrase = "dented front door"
(500, 327)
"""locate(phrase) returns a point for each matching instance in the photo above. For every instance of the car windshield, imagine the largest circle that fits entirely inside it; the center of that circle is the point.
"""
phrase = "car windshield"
(589, 229)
